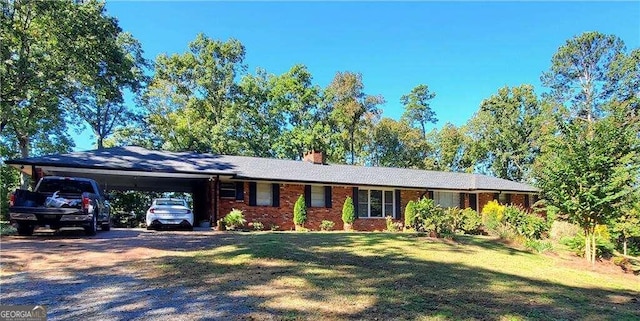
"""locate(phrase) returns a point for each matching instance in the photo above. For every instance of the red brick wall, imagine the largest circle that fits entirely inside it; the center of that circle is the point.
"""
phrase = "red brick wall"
(517, 199)
(282, 216)
(289, 193)
(483, 199)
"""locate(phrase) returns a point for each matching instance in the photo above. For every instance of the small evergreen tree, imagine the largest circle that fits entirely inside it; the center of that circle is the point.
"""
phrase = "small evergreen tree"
(300, 212)
(348, 211)
(410, 214)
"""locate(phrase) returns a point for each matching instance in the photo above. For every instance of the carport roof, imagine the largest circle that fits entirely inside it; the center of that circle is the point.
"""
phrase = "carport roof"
(138, 159)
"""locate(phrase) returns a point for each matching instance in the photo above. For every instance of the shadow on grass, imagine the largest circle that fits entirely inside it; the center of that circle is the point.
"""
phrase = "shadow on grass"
(313, 276)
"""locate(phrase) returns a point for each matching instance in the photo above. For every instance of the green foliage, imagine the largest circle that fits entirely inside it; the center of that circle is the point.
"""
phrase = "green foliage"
(429, 217)
(348, 211)
(538, 246)
(513, 222)
(506, 132)
(124, 203)
(300, 211)
(191, 95)
(470, 221)
(257, 226)
(396, 144)
(327, 225)
(7, 229)
(410, 214)
(417, 110)
(627, 226)
(493, 214)
(525, 224)
(604, 247)
(450, 150)
(234, 219)
(274, 227)
(392, 226)
(589, 168)
(352, 113)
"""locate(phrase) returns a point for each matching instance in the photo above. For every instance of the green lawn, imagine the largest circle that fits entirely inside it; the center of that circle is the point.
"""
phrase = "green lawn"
(398, 276)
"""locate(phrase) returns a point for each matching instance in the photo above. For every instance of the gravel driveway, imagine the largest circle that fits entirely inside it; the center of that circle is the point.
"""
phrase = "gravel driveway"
(89, 278)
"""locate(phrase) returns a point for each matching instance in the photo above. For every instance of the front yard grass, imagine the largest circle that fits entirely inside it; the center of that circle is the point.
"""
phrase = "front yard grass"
(382, 276)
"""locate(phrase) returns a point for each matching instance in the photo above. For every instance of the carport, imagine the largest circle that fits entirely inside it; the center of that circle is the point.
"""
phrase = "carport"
(139, 169)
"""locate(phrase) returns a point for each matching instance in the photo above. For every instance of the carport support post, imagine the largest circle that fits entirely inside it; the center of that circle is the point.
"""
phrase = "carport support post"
(212, 195)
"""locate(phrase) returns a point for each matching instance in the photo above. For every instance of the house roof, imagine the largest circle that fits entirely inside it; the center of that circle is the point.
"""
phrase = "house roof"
(133, 158)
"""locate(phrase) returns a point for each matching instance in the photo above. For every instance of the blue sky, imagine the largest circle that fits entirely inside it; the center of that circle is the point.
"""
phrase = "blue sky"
(464, 51)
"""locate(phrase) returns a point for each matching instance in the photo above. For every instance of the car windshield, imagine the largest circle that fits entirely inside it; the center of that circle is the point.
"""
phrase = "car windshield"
(170, 202)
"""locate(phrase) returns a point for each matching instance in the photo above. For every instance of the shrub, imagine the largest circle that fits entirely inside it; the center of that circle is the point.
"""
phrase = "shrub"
(492, 215)
(7, 229)
(234, 219)
(604, 246)
(525, 224)
(393, 226)
(274, 227)
(348, 211)
(257, 226)
(300, 212)
(429, 217)
(538, 246)
(410, 214)
(471, 221)
(327, 225)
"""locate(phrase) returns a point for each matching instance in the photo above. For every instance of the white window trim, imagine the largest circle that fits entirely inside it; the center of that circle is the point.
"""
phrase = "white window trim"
(384, 215)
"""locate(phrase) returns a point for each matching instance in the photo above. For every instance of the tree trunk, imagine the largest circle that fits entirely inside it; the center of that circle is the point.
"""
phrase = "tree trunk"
(23, 142)
(353, 152)
(100, 142)
(624, 246)
(587, 245)
(593, 247)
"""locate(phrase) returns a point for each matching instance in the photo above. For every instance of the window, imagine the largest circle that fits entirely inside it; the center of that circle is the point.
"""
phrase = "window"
(504, 198)
(227, 190)
(446, 199)
(376, 203)
(317, 196)
(264, 194)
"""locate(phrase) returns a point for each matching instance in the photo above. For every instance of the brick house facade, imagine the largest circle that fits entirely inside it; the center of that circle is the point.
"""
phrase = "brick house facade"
(280, 213)
(266, 189)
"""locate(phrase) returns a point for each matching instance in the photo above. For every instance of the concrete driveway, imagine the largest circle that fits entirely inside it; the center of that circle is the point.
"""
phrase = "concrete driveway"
(91, 278)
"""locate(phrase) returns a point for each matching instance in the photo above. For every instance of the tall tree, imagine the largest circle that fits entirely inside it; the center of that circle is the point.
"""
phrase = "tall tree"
(506, 132)
(352, 111)
(396, 144)
(450, 150)
(46, 50)
(189, 95)
(119, 67)
(590, 169)
(305, 125)
(417, 108)
(255, 124)
(580, 71)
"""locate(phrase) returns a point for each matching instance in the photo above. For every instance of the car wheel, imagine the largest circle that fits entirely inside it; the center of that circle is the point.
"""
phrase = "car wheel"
(93, 226)
(25, 230)
(105, 227)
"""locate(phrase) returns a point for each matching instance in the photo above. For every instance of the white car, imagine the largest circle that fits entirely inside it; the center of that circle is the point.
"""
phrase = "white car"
(169, 212)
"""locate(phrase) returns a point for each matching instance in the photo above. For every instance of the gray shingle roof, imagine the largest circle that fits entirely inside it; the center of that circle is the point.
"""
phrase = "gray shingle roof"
(133, 158)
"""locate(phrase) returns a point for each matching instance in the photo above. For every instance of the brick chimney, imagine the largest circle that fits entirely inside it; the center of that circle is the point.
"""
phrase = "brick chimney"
(314, 157)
